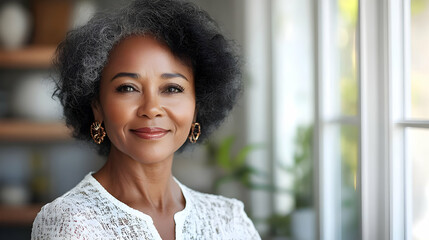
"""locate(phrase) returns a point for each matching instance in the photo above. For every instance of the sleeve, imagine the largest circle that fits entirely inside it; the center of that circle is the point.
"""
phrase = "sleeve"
(37, 231)
(57, 222)
(242, 223)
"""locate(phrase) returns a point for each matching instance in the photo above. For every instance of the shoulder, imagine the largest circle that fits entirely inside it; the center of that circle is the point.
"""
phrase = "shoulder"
(79, 198)
(66, 216)
(222, 214)
(212, 201)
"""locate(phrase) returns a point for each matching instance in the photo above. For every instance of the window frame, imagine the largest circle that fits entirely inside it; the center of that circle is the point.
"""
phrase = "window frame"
(386, 214)
(403, 123)
(383, 68)
(383, 71)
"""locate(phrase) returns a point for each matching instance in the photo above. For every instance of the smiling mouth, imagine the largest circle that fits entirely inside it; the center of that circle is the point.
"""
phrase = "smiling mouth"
(150, 133)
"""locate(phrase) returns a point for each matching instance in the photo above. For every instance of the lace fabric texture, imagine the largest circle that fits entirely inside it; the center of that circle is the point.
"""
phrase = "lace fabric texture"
(88, 211)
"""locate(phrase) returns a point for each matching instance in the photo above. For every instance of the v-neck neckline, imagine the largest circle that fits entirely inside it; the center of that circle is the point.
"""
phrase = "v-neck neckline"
(179, 217)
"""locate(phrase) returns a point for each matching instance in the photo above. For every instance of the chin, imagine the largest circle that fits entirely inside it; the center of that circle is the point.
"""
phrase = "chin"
(153, 154)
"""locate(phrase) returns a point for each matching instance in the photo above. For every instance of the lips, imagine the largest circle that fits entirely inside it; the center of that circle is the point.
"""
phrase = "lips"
(150, 132)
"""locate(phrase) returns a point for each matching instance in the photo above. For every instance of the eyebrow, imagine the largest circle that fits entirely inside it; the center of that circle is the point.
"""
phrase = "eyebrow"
(125, 74)
(173, 75)
(136, 76)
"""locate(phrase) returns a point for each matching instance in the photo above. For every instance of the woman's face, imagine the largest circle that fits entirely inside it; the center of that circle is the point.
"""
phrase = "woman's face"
(147, 100)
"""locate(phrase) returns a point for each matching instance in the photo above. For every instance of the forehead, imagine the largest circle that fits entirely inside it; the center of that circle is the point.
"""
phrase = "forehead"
(138, 45)
(144, 51)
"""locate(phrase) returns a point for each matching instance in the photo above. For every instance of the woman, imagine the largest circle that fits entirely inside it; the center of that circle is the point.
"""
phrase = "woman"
(143, 83)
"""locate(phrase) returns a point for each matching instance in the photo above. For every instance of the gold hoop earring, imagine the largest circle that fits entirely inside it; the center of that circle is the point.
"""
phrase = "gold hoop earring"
(195, 132)
(97, 132)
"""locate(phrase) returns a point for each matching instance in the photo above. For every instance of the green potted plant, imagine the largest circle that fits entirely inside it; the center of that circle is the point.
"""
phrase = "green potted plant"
(232, 167)
(285, 226)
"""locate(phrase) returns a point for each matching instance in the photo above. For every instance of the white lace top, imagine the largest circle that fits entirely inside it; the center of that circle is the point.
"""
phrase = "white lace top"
(88, 211)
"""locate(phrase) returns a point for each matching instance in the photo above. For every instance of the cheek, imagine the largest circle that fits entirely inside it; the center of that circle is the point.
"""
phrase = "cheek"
(117, 114)
(117, 110)
(182, 114)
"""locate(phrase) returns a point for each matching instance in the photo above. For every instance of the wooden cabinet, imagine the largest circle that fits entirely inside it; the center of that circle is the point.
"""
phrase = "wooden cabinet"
(25, 131)
(30, 57)
(19, 215)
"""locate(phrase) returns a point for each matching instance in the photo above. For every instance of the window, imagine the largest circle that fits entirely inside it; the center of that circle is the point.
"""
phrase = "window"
(316, 50)
(337, 121)
(355, 75)
(293, 99)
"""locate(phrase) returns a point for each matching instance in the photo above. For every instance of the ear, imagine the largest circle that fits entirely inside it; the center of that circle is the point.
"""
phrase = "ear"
(97, 110)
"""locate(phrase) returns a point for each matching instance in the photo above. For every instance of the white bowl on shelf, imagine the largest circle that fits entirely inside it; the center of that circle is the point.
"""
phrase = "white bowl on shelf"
(14, 25)
(14, 195)
(32, 99)
(83, 11)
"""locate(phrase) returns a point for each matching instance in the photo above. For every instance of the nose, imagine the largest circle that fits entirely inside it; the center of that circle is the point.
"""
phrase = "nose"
(150, 106)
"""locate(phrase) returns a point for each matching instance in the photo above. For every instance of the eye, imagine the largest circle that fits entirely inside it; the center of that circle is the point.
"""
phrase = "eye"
(174, 89)
(125, 88)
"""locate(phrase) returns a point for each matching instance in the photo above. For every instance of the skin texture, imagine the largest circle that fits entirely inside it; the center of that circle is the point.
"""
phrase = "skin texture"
(144, 86)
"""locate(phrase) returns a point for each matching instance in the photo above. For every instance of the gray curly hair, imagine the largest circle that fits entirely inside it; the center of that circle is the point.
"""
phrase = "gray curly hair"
(190, 33)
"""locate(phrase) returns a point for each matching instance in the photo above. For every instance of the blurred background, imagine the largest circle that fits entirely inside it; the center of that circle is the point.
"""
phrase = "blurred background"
(266, 153)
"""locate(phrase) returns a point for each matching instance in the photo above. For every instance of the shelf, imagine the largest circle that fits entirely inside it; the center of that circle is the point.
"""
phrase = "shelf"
(14, 130)
(18, 215)
(28, 57)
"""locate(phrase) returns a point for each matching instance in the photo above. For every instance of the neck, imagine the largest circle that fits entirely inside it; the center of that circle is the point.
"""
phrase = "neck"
(146, 187)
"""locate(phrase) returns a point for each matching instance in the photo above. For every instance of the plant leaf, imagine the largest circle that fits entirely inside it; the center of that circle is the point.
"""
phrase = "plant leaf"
(223, 155)
(240, 159)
